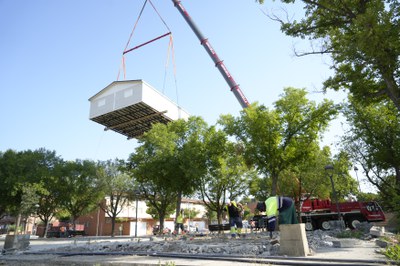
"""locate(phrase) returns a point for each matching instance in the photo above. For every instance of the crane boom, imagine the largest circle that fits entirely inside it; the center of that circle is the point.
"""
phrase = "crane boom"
(211, 52)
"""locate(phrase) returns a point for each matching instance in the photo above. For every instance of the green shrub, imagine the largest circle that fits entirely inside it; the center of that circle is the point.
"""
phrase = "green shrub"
(392, 252)
(12, 228)
(350, 234)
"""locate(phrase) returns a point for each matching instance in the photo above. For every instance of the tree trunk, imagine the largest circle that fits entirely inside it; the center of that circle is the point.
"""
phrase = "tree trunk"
(46, 227)
(112, 226)
(162, 216)
(274, 184)
(397, 170)
(219, 218)
(178, 204)
(17, 223)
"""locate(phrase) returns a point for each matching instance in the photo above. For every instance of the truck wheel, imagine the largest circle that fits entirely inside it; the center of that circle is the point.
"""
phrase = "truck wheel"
(324, 225)
(309, 226)
(352, 222)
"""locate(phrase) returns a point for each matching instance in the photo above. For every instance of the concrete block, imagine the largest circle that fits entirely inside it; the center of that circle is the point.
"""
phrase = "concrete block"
(377, 231)
(16, 242)
(293, 240)
(345, 243)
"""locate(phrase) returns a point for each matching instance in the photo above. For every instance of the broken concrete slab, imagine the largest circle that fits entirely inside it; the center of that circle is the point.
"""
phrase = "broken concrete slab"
(377, 231)
(345, 243)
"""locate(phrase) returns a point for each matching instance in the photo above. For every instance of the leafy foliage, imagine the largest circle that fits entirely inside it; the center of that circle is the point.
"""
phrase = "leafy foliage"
(26, 180)
(392, 252)
(373, 141)
(118, 188)
(81, 187)
(362, 38)
(227, 174)
(350, 234)
(276, 140)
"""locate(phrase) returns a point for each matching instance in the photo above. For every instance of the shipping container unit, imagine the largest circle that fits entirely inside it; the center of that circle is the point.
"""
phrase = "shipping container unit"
(131, 107)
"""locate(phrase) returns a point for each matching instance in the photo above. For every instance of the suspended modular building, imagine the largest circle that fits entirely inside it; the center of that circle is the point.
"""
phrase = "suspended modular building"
(131, 107)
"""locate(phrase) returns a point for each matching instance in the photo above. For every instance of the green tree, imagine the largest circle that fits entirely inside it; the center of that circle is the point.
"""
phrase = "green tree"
(307, 178)
(275, 140)
(227, 175)
(118, 188)
(373, 142)
(25, 178)
(154, 213)
(9, 196)
(190, 213)
(82, 187)
(362, 38)
(168, 163)
(345, 185)
(49, 188)
(187, 162)
(153, 173)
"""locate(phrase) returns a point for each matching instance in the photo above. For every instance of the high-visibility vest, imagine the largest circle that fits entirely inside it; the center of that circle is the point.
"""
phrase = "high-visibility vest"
(179, 219)
(272, 205)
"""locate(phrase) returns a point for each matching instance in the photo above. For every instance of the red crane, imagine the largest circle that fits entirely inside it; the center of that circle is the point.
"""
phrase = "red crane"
(211, 52)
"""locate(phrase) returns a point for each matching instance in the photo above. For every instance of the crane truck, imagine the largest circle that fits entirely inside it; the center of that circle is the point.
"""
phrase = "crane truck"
(317, 214)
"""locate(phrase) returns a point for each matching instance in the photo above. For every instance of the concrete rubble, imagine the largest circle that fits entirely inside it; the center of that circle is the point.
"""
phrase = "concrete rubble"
(254, 244)
(251, 244)
(157, 250)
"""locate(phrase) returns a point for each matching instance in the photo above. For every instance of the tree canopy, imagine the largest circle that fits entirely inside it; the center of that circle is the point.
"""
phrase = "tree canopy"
(118, 189)
(274, 140)
(81, 186)
(363, 40)
(373, 141)
(166, 165)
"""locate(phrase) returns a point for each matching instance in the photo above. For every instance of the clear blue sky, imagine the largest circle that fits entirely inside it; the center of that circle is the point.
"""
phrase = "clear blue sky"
(55, 55)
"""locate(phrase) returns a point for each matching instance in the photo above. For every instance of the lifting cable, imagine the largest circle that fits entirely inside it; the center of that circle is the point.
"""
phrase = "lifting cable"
(126, 50)
(129, 40)
(171, 48)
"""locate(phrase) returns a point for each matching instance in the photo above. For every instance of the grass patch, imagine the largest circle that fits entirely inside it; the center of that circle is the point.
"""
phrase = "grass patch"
(350, 234)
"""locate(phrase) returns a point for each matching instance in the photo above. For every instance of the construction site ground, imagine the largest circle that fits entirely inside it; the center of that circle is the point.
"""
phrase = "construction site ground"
(253, 248)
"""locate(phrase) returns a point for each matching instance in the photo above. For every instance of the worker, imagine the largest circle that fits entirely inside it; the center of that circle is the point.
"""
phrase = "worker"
(235, 217)
(179, 223)
(283, 207)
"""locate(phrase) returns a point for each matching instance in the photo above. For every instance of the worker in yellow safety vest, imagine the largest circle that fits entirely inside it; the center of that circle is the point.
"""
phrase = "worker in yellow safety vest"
(235, 217)
(276, 206)
(179, 223)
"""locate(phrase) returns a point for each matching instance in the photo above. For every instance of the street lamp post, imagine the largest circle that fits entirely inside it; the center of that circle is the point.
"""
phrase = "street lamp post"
(329, 170)
(358, 181)
(136, 196)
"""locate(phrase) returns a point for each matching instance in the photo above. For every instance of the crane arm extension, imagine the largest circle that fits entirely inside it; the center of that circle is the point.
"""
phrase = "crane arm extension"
(211, 52)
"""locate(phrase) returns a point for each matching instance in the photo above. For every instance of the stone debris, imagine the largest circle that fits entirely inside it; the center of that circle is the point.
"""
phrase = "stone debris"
(256, 243)
(377, 231)
(253, 244)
